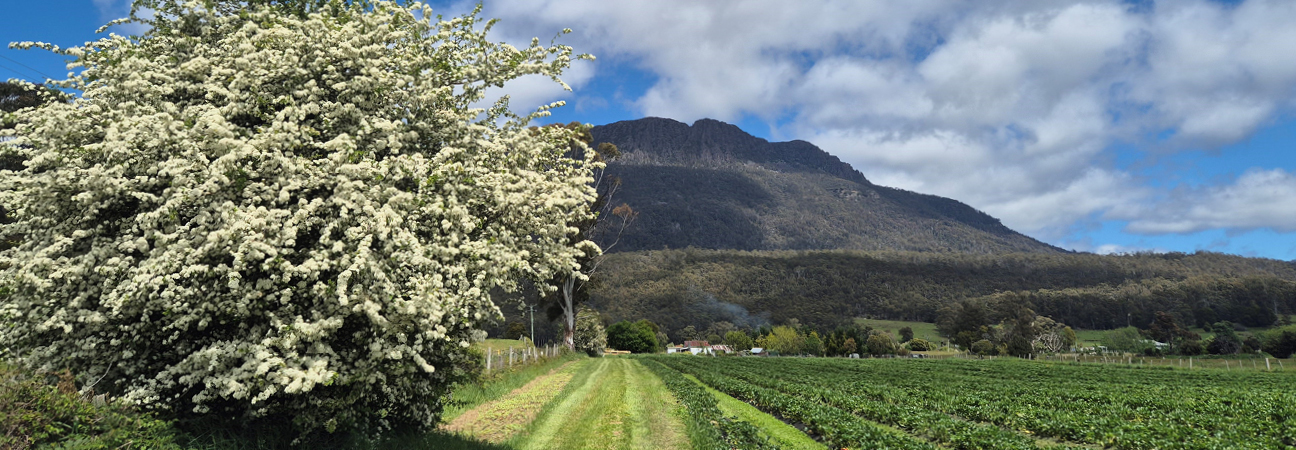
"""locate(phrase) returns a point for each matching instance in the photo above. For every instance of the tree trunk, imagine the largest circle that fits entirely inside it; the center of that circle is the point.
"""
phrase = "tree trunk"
(569, 314)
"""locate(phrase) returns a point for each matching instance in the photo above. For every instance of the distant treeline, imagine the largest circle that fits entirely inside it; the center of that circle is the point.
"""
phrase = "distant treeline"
(828, 289)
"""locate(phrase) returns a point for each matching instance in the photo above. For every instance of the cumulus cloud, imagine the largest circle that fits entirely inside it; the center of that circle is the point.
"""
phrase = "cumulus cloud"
(1012, 107)
(1257, 199)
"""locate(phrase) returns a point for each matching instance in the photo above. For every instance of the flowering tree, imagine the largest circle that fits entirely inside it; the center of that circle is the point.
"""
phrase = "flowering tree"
(285, 210)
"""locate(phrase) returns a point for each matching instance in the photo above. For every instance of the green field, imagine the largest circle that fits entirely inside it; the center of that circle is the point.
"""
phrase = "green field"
(1009, 403)
(922, 330)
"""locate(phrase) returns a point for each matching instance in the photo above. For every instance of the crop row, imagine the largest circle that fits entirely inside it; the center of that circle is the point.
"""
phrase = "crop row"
(711, 428)
(838, 428)
(1009, 404)
(1122, 411)
(933, 426)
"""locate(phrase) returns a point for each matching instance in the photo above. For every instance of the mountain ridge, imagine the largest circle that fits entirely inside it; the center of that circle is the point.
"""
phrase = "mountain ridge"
(712, 185)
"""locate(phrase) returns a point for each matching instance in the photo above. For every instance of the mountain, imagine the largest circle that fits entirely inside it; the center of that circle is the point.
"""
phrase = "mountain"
(713, 186)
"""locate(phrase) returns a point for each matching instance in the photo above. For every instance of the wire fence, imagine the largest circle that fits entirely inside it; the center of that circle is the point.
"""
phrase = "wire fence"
(504, 359)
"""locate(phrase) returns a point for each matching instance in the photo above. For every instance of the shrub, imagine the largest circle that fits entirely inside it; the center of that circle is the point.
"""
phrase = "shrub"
(921, 345)
(984, 347)
(1280, 342)
(34, 413)
(1224, 344)
(1191, 347)
(269, 210)
(635, 337)
(880, 343)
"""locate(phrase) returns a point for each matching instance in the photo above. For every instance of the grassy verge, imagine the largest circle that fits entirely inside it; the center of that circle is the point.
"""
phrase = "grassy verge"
(706, 424)
(783, 435)
(499, 383)
(499, 420)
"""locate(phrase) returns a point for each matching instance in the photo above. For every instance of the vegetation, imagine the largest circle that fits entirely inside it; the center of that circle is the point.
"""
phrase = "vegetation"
(567, 291)
(496, 384)
(285, 213)
(827, 289)
(635, 337)
(1008, 325)
(499, 420)
(1280, 342)
(611, 403)
(780, 434)
(38, 414)
(708, 427)
(1009, 404)
(738, 341)
(590, 336)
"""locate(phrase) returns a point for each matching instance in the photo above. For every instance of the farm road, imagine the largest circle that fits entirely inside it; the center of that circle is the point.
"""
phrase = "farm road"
(618, 405)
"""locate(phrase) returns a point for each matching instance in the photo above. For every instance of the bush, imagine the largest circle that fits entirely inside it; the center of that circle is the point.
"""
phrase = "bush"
(880, 343)
(1280, 342)
(1224, 344)
(984, 347)
(634, 337)
(34, 413)
(1192, 347)
(264, 213)
(921, 345)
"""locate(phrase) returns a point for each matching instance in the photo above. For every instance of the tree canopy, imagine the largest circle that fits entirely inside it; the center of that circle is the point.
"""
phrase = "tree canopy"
(257, 211)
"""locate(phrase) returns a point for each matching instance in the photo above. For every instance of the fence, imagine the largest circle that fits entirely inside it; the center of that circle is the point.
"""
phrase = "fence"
(501, 359)
(1257, 363)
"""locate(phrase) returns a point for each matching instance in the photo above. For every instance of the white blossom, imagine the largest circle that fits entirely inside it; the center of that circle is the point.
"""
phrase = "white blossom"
(253, 212)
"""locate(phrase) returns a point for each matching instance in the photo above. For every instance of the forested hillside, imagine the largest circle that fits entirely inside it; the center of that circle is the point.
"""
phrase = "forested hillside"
(711, 185)
(678, 288)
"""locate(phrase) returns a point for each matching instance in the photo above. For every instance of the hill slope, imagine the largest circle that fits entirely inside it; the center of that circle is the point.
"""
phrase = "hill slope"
(825, 289)
(711, 185)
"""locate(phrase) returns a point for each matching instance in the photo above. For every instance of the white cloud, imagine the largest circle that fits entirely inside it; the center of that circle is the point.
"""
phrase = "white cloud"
(1009, 106)
(1257, 199)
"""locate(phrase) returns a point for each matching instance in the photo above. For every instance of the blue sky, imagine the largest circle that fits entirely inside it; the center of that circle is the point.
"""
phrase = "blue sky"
(1101, 126)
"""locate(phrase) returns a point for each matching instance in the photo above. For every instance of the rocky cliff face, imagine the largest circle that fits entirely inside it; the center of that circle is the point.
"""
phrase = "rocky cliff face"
(711, 185)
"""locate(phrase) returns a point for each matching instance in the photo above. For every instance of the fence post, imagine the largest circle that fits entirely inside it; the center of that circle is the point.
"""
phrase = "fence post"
(510, 357)
(488, 359)
(1268, 368)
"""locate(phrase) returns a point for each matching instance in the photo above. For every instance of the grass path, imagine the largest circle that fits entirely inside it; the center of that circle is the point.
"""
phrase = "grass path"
(613, 403)
(784, 435)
